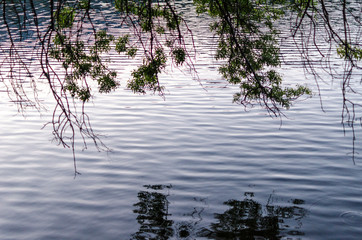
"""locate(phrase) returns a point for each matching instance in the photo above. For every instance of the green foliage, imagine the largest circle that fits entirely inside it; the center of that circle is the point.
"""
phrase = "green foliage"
(155, 20)
(179, 55)
(102, 42)
(349, 51)
(248, 41)
(123, 45)
(107, 82)
(248, 45)
(82, 62)
(146, 76)
(131, 52)
(65, 17)
(83, 4)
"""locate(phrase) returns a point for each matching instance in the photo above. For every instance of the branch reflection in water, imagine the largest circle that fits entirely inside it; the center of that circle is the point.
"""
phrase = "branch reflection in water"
(244, 219)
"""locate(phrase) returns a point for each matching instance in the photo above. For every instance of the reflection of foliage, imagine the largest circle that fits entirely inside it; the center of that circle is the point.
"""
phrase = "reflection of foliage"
(243, 219)
(189, 227)
(247, 218)
(152, 210)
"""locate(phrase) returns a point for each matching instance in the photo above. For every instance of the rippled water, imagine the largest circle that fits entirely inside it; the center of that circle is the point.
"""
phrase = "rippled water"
(192, 166)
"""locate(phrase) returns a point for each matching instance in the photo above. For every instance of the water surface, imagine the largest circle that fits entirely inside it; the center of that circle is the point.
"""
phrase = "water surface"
(192, 166)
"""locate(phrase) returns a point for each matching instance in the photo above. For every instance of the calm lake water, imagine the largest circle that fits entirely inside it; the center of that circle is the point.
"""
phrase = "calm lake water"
(192, 166)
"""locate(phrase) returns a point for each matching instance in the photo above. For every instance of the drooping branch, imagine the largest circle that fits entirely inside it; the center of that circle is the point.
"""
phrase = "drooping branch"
(248, 41)
(343, 44)
(159, 28)
(70, 39)
(61, 42)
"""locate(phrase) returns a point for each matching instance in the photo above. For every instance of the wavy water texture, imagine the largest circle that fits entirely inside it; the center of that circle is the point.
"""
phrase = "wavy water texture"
(198, 148)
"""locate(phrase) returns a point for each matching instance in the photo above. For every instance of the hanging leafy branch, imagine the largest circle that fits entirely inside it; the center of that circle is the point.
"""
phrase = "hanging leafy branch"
(340, 39)
(160, 29)
(248, 41)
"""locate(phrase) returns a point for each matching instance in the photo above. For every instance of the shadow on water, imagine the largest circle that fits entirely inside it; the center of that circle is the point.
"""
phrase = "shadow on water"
(243, 219)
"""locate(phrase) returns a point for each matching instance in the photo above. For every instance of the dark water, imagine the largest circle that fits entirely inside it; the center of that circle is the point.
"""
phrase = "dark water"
(192, 166)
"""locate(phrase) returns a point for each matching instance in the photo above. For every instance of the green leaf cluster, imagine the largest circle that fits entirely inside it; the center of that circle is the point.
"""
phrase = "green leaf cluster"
(102, 42)
(65, 17)
(123, 45)
(248, 42)
(179, 55)
(156, 20)
(147, 11)
(348, 51)
(83, 4)
(145, 77)
(81, 63)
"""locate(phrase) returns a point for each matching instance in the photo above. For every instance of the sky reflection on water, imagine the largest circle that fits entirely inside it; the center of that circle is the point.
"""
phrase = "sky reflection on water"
(224, 173)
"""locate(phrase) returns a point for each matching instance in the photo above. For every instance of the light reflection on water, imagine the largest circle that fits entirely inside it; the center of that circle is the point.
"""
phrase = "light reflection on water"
(208, 152)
